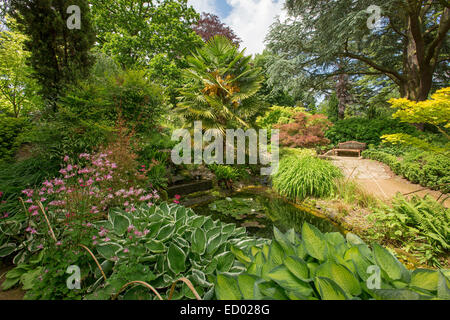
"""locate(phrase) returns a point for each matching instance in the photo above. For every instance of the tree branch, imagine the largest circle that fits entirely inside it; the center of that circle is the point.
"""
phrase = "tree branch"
(435, 45)
(394, 75)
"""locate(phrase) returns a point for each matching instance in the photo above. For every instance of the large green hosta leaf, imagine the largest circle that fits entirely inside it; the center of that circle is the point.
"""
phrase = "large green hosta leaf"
(7, 249)
(329, 290)
(298, 267)
(396, 294)
(425, 279)
(246, 284)
(227, 288)
(198, 242)
(389, 264)
(342, 276)
(120, 222)
(443, 287)
(314, 241)
(288, 281)
(176, 259)
(109, 250)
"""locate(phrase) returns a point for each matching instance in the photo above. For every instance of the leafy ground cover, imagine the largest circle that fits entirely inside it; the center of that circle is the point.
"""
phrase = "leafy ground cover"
(319, 266)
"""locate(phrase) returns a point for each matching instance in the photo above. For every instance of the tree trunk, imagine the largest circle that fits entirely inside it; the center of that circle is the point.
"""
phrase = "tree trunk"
(418, 73)
(342, 94)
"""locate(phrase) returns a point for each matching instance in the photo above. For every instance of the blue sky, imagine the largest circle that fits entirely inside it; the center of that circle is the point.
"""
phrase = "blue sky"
(250, 19)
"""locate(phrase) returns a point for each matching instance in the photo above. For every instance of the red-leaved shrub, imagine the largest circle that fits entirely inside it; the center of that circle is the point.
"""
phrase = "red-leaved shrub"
(306, 131)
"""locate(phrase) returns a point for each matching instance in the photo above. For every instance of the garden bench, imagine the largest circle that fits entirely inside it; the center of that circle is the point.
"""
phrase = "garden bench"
(350, 146)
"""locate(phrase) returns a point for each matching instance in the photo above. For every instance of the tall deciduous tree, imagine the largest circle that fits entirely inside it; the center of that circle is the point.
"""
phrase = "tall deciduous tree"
(17, 88)
(210, 25)
(134, 32)
(409, 46)
(59, 55)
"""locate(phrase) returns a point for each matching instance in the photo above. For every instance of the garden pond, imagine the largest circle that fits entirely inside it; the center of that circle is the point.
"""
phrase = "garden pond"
(259, 210)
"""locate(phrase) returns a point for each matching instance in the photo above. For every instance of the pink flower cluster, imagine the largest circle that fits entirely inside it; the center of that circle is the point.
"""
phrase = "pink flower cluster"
(88, 187)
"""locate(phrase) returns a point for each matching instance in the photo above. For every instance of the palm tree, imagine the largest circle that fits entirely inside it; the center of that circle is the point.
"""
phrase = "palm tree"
(220, 87)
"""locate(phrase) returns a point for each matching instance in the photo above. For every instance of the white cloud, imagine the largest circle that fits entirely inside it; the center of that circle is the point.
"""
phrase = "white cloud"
(251, 19)
(203, 5)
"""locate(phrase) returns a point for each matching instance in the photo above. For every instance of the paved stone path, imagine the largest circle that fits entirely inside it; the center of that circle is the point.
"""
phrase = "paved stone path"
(379, 180)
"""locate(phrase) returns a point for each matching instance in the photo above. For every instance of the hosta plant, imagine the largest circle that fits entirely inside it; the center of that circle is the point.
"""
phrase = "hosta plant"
(318, 266)
(160, 245)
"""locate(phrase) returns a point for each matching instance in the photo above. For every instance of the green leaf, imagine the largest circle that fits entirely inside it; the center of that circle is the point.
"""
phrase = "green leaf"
(213, 244)
(28, 278)
(165, 232)
(443, 287)
(342, 276)
(9, 283)
(246, 284)
(198, 241)
(425, 279)
(272, 291)
(154, 229)
(335, 238)
(396, 294)
(298, 267)
(227, 288)
(288, 281)
(225, 261)
(240, 255)
(120, 222)
(7, 249)
(388, 263)
(329, 290)
(198, 222)
(176, 259)
(314, 241)
(156, 246)
(109, 250)
(276, 253)
(283, 241)
(361, 264)
(353, 239)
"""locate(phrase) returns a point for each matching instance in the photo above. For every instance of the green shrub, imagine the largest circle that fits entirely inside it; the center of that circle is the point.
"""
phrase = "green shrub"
(156, 245)
(319, 266)
(425, 168)
(278, 115)
(421, 225)
(301, 177)
(10, 129)
(89, 114)
(366, 130)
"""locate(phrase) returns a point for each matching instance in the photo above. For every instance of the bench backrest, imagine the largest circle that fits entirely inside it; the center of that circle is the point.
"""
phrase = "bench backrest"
(352, 145)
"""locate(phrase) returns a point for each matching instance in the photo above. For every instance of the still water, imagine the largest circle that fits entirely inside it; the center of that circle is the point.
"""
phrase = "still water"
(261, 210)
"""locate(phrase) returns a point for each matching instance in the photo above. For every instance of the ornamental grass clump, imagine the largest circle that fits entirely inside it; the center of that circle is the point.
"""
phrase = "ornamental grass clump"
(301, 177)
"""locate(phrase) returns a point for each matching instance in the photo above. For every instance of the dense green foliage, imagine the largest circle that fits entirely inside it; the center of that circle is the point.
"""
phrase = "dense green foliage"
(221, 86)
(17, 87)
(277, 115)
(157, 245)
(307, 176)
(87, 117)
(136, 32)
(319, 266)
(419, 225)
(365, 130)
(59, 56)
(10, 129)
(91, 113)
(425, 168)
(323, 39)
